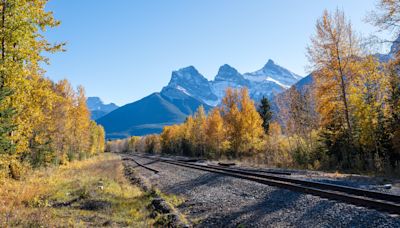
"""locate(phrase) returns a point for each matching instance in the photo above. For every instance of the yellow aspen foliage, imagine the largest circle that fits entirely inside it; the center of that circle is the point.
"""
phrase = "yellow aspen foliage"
(334, 53)
(215, 133)
(133, 143)
(235, 127)
(332, 56)
(232, 119)
(197, 132)
(242, 122)
(252, 132)
(367, 96)
(81, 122)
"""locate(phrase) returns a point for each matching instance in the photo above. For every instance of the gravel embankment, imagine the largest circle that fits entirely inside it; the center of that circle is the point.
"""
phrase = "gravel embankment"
(213, 200)
(350, 180)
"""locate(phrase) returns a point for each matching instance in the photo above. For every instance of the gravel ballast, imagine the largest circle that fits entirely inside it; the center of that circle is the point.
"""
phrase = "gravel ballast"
(214, 200)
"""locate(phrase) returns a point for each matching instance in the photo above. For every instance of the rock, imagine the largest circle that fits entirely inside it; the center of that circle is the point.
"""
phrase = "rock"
(95, 205)
(153, 214)
(170, 220)
(108, 223)
(387, 186)
(161, 206)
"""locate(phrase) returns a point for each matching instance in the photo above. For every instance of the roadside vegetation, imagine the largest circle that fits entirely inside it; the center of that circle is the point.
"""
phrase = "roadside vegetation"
(42, 123)
(347, 119)
(93, 192)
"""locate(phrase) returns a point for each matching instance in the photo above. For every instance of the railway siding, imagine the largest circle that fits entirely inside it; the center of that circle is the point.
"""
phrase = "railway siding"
(213, 199)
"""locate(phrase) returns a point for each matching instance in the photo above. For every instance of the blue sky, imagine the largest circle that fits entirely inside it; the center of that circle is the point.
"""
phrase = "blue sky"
(123, 50)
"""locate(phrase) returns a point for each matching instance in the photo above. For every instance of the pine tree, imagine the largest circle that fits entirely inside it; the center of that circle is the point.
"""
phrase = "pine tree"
(266, 114)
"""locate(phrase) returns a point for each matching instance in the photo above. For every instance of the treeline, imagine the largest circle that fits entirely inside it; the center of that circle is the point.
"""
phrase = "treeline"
(347, 119)
(232, 130)
(41, 122)
(148, 144)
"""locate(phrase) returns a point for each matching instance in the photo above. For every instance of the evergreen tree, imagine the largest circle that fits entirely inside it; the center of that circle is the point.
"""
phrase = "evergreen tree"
(266, 114)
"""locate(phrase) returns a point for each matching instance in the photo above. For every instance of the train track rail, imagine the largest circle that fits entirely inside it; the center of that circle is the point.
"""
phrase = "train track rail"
(366, 198)
(141, 165)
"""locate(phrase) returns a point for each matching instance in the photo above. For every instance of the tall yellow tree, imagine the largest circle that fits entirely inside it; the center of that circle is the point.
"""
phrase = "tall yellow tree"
(242, 122)
(215, 134)
(197, 134)
(22, 48)
(387, 17)
(81, 123)
(251, 128)
(333, 55)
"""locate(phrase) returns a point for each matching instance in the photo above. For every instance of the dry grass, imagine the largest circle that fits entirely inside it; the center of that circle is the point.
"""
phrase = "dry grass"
(30, 202)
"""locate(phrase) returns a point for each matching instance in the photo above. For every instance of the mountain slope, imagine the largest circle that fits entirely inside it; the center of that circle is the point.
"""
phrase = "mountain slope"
(149, 115)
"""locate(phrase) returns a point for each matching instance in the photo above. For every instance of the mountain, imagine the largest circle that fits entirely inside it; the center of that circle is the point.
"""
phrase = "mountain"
(189, 81)
(186, 91)
(98, 108)
(268, 81)
(304, 82)
(394, 48)
(273, 73)
(227, 77)
(150, 114)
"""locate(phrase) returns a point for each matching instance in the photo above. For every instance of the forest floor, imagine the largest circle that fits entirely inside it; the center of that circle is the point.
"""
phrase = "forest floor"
(93, 192)
(214, 200)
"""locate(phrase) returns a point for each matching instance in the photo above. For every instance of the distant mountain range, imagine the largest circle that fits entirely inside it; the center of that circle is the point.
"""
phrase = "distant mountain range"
(98, 109)
(268, 81)
(187, 90)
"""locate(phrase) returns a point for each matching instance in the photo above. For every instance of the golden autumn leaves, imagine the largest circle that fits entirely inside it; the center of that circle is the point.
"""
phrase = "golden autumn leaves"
(234, 129)
(50, 122)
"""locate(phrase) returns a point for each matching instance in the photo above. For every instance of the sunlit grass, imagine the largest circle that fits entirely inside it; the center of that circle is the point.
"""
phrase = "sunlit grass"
(30, 202)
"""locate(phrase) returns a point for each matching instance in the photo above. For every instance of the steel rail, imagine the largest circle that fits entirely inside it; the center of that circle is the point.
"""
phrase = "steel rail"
(371, 199)
(141, 165)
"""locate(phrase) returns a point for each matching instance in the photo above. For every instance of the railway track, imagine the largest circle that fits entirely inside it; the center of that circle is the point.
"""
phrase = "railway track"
(360, 197)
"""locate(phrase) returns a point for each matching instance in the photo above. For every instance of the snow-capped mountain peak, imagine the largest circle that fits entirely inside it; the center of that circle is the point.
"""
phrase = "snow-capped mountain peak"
(274, 72)
(267, 81)
(187, 75)
(228, 73)
(190, 82)
(269, 63)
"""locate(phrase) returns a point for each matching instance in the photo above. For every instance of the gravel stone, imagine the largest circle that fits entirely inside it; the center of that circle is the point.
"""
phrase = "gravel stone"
(214, 200)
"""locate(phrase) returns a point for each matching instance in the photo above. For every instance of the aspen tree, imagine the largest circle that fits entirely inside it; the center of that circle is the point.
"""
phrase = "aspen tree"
(333, 54)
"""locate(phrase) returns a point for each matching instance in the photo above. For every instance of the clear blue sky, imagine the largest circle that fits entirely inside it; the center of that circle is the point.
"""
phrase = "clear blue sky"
(123, 50)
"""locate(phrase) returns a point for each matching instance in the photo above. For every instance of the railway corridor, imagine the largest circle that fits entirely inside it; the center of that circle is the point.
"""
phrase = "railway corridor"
(217, 200)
